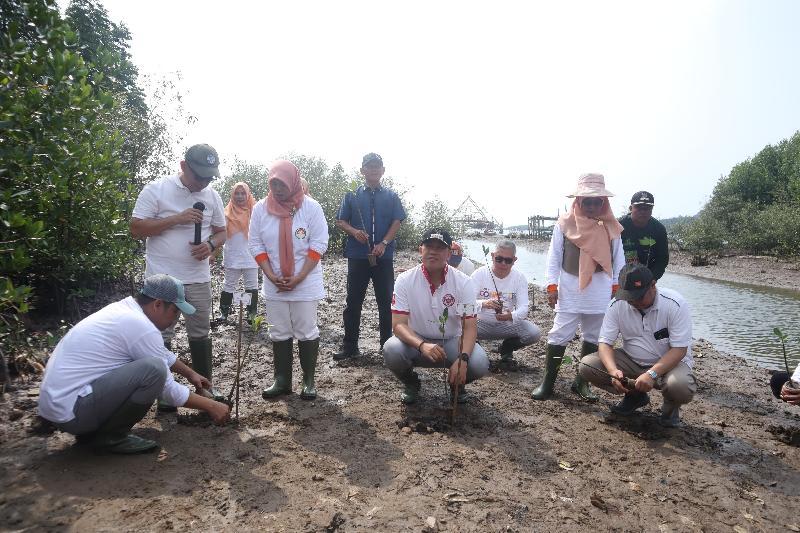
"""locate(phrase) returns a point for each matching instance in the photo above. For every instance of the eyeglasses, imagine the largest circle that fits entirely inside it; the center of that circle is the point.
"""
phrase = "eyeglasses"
(592, 202)
(500, 259)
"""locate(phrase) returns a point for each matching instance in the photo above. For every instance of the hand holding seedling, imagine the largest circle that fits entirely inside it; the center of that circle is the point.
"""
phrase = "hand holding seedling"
(361, 236)
(644, 383)
(790, 395)
(458, 373)
(504, 317)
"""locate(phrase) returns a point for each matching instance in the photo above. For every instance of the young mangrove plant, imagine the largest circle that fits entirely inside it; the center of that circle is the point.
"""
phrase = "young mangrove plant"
(782, 337)
(491, 273)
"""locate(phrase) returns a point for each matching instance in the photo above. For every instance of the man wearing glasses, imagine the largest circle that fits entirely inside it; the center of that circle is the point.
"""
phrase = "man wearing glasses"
(165, 215)
(503, 303)
(644, 239)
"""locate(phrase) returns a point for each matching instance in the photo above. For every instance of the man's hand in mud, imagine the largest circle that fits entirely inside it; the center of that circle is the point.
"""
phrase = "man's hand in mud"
(220, 413)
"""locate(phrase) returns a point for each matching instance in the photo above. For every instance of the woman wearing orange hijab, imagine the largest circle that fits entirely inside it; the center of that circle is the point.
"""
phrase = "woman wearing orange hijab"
(288, 235)
(583, 265)
(237, 259)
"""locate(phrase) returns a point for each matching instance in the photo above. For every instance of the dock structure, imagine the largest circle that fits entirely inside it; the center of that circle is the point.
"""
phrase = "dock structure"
(541, 227)
(469, 217)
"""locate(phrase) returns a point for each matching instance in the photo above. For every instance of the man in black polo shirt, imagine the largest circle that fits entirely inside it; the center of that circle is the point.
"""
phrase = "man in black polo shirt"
(371, 217)
(644, 238)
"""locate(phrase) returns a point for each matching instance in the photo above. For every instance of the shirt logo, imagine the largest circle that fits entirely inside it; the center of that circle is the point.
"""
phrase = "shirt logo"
(300, 233)
(448, 300)
(484, 293)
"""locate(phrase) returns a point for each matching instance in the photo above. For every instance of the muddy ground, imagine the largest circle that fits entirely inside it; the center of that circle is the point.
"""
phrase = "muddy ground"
(357, 460)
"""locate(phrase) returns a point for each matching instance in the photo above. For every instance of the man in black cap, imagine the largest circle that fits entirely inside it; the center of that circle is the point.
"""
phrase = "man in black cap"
(644, 238)
(656, 328)
(428, 305)
(371, 217)
(165, 215)
(105, 373)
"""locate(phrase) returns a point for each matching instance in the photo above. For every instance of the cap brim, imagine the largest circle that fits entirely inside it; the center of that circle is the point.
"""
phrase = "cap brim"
(642, 203)
(185, 307)
(437, 240)
(630, 295)
(208, 173)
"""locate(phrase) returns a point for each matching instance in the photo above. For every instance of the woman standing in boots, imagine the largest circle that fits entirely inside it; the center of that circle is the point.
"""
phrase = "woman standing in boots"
(237, 260)
(583, 264)
(288, 235)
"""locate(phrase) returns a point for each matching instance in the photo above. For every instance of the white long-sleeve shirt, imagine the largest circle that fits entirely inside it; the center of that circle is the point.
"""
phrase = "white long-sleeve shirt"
(116, 335)
(309, 231)
(571, 299)
(513, 291)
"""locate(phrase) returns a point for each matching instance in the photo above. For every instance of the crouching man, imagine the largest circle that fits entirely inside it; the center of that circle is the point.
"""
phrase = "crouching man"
(656, 329)
(423, 335)
(105, 374)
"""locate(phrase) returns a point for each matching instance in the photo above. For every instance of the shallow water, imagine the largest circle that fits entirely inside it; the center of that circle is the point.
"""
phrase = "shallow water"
(736, 317)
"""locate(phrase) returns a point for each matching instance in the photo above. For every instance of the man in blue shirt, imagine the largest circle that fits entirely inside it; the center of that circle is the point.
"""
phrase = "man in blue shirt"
(371, 217)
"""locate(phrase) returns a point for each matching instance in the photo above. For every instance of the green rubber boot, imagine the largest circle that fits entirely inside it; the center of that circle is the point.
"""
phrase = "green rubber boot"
(201, 351)
(507, 349)
(554, 356)
(580, 386)
(114, 436)
(164, 407)
(225, 300)
(308, 351)
(411, 387)
(282, 356)
(252, 309)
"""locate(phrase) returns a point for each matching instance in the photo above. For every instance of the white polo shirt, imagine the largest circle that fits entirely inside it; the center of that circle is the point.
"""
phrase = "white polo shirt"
(237, 252)
(414, 296)
(169, 253)
(309, 232)
(669, 318)
(513, 291)
(116, 335)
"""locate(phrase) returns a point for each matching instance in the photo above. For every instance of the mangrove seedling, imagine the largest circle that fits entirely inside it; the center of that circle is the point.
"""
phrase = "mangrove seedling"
(782, 337)
(442, 323)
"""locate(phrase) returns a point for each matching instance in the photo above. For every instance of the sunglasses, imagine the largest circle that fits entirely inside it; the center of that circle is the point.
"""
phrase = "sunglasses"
(500, 259)
(592, 202)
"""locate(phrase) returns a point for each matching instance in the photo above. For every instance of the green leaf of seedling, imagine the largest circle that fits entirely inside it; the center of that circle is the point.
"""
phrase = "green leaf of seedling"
(780, 334)
(567, 360)
(485, 250)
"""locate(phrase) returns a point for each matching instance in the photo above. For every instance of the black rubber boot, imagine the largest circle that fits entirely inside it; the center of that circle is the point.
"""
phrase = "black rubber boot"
(554, 356)
(580, 386)
(507, 349)
(225, 300)
(252, 309)
(114, 436)
(282, 357)
(201, 351)
(411, 388)
(308, 351)
(164, 407)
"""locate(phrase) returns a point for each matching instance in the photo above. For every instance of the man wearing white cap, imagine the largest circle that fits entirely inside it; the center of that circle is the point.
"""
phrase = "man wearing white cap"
(104, 375)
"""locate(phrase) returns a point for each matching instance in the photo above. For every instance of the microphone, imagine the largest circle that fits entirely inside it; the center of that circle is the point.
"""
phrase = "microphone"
(200, 206)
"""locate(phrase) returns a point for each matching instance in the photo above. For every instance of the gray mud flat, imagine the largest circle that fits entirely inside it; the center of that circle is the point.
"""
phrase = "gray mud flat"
(356, 460)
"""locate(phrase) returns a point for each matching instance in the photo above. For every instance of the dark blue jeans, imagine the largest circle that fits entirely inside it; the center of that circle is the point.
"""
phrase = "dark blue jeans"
(358, 275)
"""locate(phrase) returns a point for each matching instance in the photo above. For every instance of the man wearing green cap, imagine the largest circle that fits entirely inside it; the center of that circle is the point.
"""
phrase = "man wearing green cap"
(105, 373)
(168, 214)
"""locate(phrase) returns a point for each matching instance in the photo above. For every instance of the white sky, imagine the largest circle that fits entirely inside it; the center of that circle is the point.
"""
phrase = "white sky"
(506, 101)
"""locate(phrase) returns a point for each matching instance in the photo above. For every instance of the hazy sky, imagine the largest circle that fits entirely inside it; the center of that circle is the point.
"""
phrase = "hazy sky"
(506, 101)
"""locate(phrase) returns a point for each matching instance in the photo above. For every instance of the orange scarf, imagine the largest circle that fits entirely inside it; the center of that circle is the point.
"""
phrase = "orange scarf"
(237, 219)
(593, 237)
(288, 174)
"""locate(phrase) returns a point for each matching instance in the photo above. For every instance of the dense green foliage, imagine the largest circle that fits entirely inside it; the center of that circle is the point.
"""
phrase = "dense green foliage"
(756, 208)
(435, 214)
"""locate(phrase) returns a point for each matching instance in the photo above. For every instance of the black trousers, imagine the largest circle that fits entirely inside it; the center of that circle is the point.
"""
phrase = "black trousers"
(359, 272)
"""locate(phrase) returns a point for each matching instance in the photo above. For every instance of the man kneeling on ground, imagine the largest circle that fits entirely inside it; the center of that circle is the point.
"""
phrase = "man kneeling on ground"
(656, 329)
(105, 374)
(421, 295)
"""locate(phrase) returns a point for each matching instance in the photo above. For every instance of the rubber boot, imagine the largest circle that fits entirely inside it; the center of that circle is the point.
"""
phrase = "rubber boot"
(164, 407)
(282, 356)
(225, 300)
(411, 388)
(252, 309)
(554, 356)
(507, 349)
(580, 386)
(113, 436)
(308, 351)
(201, 351)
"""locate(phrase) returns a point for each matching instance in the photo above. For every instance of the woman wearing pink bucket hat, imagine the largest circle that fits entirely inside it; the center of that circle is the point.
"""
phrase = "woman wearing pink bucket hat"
(583, 265)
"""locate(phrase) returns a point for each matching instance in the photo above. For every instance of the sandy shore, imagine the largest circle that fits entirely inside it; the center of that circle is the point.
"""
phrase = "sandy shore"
(357, 460)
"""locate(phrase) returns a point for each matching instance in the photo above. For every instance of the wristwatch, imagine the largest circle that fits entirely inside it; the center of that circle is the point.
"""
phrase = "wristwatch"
(385, 242)
(464, 357)
(652, 373)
